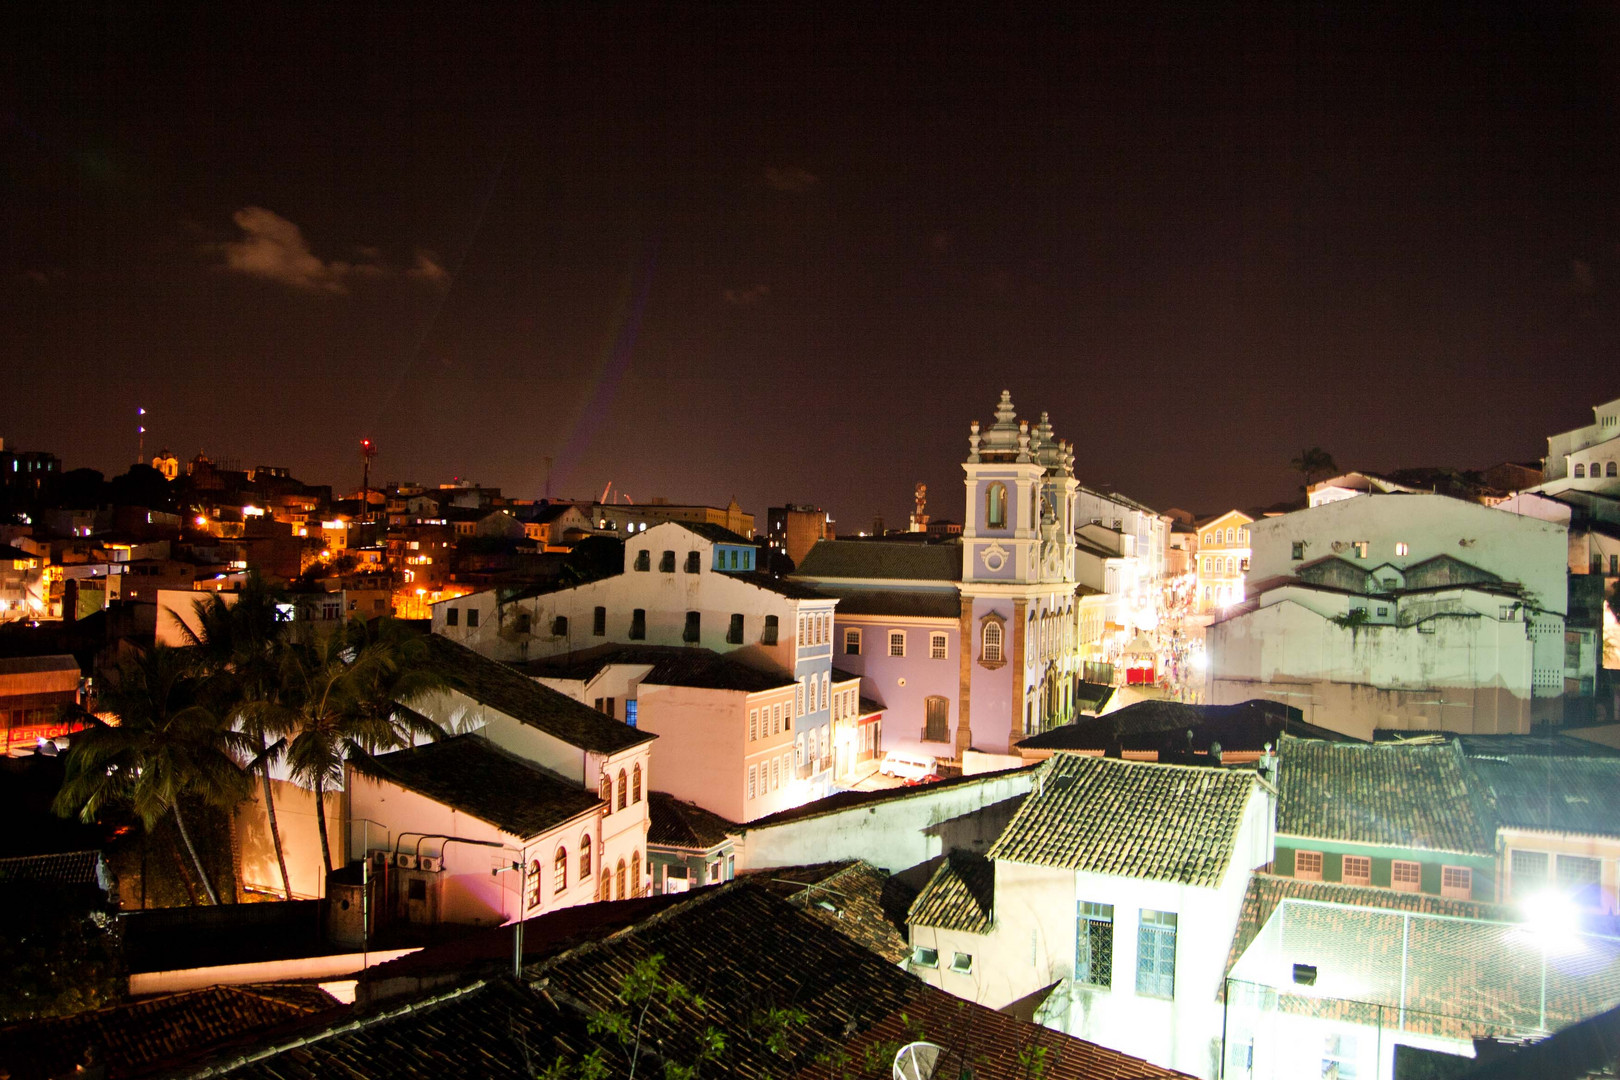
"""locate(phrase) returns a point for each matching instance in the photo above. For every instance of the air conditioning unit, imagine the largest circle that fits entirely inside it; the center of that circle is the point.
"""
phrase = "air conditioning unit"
(429, 863)
(380, 860)
(405, 862)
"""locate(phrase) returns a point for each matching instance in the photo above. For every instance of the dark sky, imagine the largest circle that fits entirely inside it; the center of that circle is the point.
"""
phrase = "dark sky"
(789, 251)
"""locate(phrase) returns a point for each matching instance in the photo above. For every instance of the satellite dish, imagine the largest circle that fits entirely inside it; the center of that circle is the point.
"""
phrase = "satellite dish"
(916, 1061)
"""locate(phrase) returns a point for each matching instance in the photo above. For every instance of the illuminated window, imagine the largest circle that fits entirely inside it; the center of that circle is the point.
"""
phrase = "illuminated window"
(560, 870)
(1308, 865)
(618, 889)
(936, 646)
(585, 856)
(1456, 882)
(897, 643)
(990, 649)
(1357, 870)
(1361, 548)
(1405, 876)
(1401, 547)
(995, 511)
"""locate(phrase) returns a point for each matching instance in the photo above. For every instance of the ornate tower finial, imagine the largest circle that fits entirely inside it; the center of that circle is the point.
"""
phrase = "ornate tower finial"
(973, 443)
(1023, 440)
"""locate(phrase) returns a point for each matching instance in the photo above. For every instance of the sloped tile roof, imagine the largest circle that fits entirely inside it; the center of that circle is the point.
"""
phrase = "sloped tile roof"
(585, 664)
(793, 590)
(740, 951)
(1391, 794)
(702, 669)
(911, 603)
(1554, 794)
(853, 897)
(67, 868)
(717, 534)
(883, 559)
(1162, 726)
(471, 774)
(1130, 819)
(960, 895)
(30, 665)
(673, 822)
(130, 1038)
(498, 686)
(843, 800)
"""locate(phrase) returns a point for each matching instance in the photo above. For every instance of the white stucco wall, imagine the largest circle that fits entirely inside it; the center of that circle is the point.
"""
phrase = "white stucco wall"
(894, 834)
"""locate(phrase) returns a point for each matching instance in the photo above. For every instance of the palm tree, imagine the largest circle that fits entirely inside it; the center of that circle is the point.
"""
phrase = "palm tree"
(240, 645)
(351, 691)
(166, 745)
(1314, 464)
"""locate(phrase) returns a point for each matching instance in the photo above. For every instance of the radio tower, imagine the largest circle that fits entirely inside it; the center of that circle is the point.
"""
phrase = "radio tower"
(367, 452)
(140, 436)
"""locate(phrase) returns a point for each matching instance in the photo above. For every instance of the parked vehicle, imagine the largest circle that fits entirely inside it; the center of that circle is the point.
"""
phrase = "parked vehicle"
(913, 767)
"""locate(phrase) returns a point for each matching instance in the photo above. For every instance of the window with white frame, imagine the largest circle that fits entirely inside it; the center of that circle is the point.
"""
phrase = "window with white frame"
(1357, 870)
(753, 724)
(1094, 945)
(922, 957)
(1405, 876)
(1308, 865)
(1156, 954)
(852, 642)
(1578, 878)
(936, 646)
(753, 780)
(1529, 872)
(897, 643)
(1456, 882)
(962, 963)
(990, 647)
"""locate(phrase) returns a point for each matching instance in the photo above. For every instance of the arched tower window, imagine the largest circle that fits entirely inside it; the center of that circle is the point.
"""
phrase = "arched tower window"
(560, 870)
(995, 506)
(635, 785)
(635, 874)
(618, 882)
(585, 856)
(623, 790)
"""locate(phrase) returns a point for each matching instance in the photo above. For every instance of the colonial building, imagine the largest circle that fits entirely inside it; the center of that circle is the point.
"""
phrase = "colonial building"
(974, 643)
(1222, 562)
(1400, 611)
(1588, 457)
(685, 586)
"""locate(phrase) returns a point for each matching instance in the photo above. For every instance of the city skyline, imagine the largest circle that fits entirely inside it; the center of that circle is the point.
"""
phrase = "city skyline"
(789, 256)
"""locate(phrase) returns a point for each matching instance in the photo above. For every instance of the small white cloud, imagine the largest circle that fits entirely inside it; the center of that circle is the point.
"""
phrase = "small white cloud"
(746, 297)
(791, 178)
(427, 268)
(274, 249)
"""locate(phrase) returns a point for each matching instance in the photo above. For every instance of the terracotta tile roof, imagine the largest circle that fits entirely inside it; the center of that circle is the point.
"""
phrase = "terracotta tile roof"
(845, 800)
(716, 534)
(883, 559)
(959, 896)
(1554, 794)
(1130, 819)
(852, 897)
(67, 868)
(29, 665)
(911, 603)
(497, 686)
(1163, 726)
(673, 822)
(740, 951)
(471, 774)
(129, 1038)
(1392, 794)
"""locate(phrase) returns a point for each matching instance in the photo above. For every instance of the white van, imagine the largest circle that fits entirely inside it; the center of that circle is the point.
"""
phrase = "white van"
(907, 766)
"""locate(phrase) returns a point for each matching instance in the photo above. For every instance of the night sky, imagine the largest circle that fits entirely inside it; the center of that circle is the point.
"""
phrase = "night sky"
(787, 252)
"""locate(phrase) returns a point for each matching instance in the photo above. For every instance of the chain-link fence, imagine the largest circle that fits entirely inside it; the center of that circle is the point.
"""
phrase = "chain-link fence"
(1328, 990)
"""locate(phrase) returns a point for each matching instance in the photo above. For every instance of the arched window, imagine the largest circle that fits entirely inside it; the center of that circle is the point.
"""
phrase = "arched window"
(1611, 469)
(1580, 472)
(559, 870)
(1229, 536)
(995, 510)
(607, 793)
(635, 784)
(635, 874)
(585, 856)
(1231, 566)
(991, 648)
(618, 882)
(534, 883)
(1209, 538)
(624, 790)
